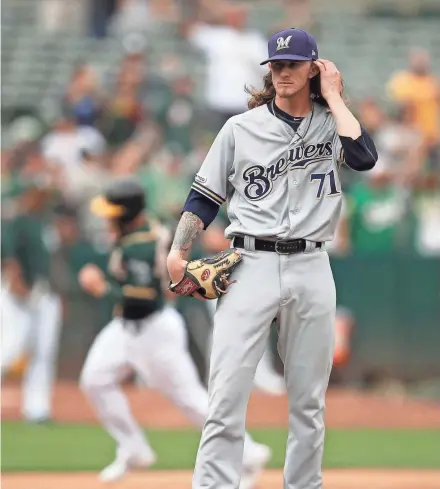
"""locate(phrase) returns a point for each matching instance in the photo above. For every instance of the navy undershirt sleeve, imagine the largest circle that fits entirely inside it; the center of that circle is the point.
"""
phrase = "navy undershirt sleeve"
(359, 154)
(201, 206)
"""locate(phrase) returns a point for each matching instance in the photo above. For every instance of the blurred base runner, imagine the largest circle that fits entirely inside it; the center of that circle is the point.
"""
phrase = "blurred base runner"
(156, 349)
(146, 335)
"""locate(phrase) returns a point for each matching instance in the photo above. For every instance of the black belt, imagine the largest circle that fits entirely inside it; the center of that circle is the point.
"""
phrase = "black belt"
(280, 247)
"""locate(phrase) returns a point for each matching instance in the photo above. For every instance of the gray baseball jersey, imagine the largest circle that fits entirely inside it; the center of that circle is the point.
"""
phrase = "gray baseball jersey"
(277, 182)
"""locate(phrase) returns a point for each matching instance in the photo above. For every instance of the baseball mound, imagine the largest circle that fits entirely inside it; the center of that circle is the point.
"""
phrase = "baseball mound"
(271, 479)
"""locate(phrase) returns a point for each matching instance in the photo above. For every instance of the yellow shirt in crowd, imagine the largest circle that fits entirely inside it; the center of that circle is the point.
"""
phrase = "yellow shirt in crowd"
(423, 92)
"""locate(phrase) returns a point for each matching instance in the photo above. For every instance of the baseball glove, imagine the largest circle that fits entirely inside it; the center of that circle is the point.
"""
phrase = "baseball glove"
(208, 276)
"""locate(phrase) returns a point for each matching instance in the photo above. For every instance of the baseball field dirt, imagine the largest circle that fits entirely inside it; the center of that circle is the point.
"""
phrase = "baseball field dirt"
(344, 410)
(271, 479)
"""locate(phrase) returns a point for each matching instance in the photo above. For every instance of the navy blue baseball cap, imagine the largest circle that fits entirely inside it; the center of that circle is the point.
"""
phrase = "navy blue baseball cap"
(292, 44)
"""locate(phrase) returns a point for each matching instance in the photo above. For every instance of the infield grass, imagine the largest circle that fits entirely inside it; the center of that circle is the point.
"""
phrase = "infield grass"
(68, 447)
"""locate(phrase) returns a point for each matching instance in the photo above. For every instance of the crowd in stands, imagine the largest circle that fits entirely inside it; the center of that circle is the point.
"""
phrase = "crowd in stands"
(150, 122)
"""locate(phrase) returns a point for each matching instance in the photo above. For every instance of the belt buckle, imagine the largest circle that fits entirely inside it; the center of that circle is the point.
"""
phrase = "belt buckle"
(278, 250)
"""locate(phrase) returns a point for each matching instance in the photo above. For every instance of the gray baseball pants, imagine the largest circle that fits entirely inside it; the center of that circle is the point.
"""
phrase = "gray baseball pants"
(300, 290)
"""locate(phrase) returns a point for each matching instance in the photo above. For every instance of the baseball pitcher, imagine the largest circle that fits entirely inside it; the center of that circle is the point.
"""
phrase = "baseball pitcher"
(277, 167)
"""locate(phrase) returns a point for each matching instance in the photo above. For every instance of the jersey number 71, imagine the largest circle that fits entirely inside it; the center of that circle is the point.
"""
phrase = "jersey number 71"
(320, 177)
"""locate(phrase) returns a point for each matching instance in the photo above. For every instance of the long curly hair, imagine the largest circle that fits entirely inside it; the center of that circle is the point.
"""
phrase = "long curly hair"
(267, 94)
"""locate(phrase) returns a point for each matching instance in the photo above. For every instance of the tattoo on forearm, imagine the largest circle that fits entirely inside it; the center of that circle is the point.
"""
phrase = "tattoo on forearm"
(189, 227)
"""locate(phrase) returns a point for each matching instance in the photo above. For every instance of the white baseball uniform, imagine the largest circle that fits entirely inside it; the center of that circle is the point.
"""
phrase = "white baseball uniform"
(155, 348)
(32, 325)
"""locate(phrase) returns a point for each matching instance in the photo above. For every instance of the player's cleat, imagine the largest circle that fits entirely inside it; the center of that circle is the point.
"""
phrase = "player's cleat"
(43, 421)
(261, 454)
(122, 465)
